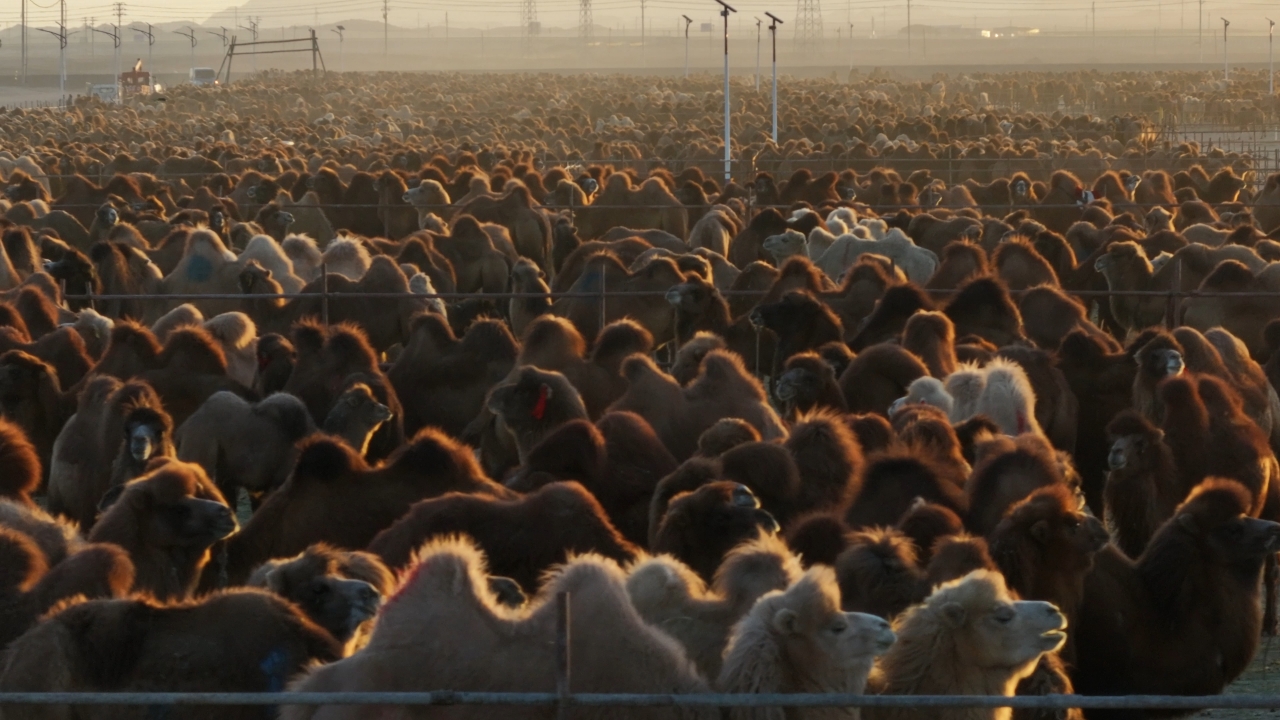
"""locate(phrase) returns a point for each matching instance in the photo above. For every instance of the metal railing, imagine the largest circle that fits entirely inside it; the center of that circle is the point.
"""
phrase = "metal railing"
(706, 700)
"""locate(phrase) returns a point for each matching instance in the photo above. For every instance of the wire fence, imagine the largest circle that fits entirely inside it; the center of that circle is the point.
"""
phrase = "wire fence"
(954, 167)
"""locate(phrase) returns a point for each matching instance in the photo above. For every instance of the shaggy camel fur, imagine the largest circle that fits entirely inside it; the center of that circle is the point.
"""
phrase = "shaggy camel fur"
(444, 628)
(798, 641)
(968, 638)
(673, 598)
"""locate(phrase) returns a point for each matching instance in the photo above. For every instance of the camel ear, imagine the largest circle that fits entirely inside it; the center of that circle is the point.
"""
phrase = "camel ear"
(954, 614)
(1040, 531)
(786, 622)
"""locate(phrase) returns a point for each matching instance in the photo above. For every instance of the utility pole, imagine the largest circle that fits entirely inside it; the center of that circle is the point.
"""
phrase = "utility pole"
(151, 40)
(1093, 24)
(115, 41)
(642, 28)
(342, 58)
(252, 27)
(725, 9)
(758, 23)
(24, 42)
(908, 29)
(190, 35)
(853, 49)
(687, 22)
(385, 8)
(773, 36)
(61, 35)
(222, 35)
(1271, 68)
(1226, 70)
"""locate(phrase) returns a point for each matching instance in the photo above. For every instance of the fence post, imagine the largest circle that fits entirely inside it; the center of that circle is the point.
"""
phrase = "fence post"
(324, 293)
(88, 290)
(562, 655)
(604, 279)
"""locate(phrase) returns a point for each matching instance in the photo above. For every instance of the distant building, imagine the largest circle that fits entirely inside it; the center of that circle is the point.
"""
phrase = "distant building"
(1010, 31)
(959, 31)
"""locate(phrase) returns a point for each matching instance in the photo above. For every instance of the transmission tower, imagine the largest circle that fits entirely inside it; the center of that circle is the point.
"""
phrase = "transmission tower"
(529, 25)
(808, 22)
(584, 19)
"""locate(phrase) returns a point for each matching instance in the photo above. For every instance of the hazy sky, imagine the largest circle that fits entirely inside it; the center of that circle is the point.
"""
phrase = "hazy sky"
(663, 15)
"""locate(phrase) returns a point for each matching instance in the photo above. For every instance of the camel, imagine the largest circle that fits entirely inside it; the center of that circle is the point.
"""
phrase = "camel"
(444, 628)
(968, 638)
(798, 641)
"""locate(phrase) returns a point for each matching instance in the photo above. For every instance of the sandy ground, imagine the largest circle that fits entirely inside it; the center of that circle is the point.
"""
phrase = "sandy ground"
(1262, 678)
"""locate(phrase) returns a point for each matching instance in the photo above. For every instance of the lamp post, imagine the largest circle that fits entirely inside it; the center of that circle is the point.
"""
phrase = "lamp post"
(151, 40)
(1271, 70)
(342, 58)
(758, 22)
(115, 39)
(687, 22)
(252, 27)
(1226, 69)
(773, 37)
(61, 36)
(725, 9)
(190, 35)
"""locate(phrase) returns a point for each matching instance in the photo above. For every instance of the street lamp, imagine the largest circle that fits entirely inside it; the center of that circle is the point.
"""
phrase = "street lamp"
(773, 36)
(342, 58)
(687, 22)
(853, 49)
(115, 40)
(252, 27)
(62, 36)
(151, 40)
(725, 9)
(758, 21)
(1226, 70)
(1271, 70)
(190, 35)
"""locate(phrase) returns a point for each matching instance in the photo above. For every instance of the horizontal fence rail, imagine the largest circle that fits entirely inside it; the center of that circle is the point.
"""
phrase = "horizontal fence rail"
(1116, 204)
(449, 697)
(333, 295)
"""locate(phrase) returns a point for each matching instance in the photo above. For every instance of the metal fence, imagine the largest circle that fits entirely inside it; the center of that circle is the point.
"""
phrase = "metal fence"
(705, 700)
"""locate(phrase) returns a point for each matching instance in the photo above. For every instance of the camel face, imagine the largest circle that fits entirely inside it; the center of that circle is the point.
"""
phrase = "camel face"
(1244, 539)
(855, 638)
(1010, 634)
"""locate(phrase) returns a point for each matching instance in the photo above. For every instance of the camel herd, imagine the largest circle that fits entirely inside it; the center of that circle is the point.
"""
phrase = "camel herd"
(338, 384)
